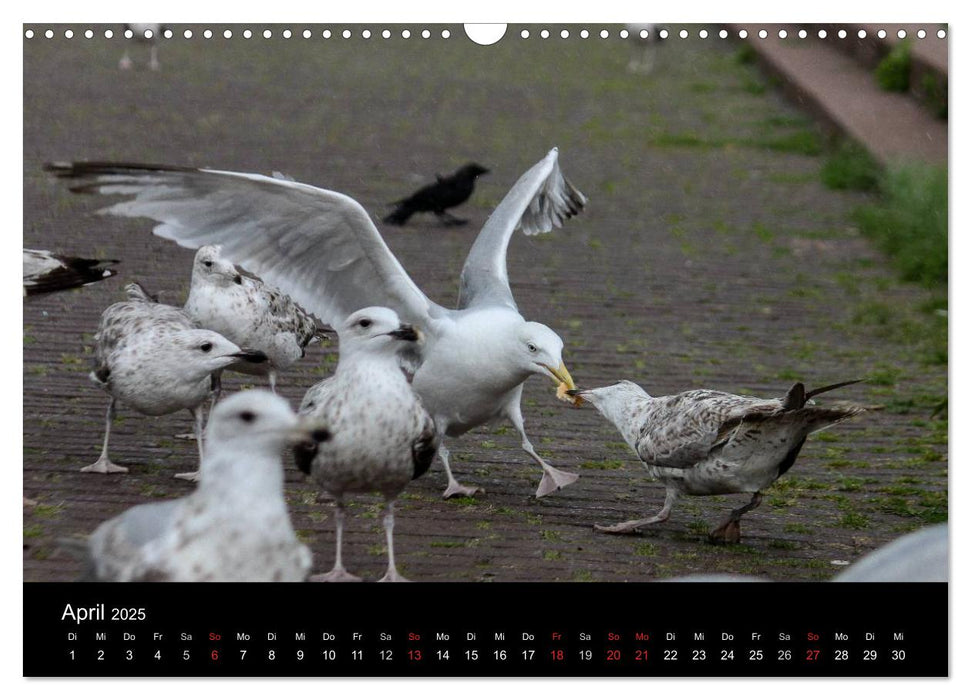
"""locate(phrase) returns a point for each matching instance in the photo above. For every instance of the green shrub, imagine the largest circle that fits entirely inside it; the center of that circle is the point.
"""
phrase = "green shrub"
(851, 168)
(893, 72)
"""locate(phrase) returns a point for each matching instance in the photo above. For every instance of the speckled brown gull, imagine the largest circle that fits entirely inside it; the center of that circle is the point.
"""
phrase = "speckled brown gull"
(248, 312)
(153, 358)
(235, 525)
(383, 436)
(323, 249)
(703, 442)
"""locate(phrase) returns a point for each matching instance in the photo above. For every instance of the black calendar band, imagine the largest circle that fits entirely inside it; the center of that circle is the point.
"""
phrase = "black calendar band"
(505, 630)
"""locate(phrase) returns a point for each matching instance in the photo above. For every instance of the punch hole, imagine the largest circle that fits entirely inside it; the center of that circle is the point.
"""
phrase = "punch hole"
(487, 34)
(406, 34)
(88, 34)
(565, 34)
(267, 34)
(882, 33)
(325, 34)
(624, 33)
(545, 34)
(703, 34)
(584, 34)
(446, 34)
(524, 34)
(109, 33)
(168, 34)
(29, 34)
(247, 34)
(841, 33)
(366, 34)
(803, 33)
(386, 34)
(941, 34)
(783, 34)
(187, 33)
(129, 33)
(346, 33)
(425, 34)
(287, 34)
(901, 34)
(604, 34)
(742, 34)
(821, 34)
(663, 33)
(68, 34)
(207, 34)
(49, 33)
(723, 34)
(683, 34)
(921, 33)
(861, 34)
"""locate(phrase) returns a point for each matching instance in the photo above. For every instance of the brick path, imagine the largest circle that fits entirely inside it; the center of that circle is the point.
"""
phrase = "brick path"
(710, 255)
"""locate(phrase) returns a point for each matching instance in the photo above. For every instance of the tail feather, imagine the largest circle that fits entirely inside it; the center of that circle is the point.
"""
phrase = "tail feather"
(399, 216)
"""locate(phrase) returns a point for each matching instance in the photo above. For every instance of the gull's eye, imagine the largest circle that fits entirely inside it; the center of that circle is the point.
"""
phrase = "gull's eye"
(364, 323)
(531, 347)
(247, 416)
(207, 263)
(206, 347)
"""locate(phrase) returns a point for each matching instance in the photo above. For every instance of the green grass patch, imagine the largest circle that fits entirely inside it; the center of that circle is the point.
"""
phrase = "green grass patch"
(851, 167)
(909, 222)
(893, 72)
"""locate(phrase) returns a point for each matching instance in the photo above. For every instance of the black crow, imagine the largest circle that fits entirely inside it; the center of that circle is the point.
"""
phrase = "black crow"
(445, 193)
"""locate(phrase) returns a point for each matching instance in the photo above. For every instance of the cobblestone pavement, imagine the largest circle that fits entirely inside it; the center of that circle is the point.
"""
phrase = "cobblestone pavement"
(709, 256)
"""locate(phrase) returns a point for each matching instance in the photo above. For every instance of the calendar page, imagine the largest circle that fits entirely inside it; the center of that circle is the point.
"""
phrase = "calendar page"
(625, 345)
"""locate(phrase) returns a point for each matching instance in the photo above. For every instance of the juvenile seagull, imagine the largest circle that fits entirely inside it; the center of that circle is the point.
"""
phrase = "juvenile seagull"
(383, 436)
(322, 248)
(152, 357)
(702, 442)
(45, 272)
(444, 193)
(235, 525)
(249, 313)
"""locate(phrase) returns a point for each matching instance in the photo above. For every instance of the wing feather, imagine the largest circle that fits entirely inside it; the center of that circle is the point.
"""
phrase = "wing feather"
(318, 246)
(539, 201)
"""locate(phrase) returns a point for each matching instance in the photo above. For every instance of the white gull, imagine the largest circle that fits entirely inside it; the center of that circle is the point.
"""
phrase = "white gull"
(323, 249)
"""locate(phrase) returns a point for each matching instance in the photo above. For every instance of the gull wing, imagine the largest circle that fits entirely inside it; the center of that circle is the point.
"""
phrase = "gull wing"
(318, 246)
(681, 430)
(540, 200)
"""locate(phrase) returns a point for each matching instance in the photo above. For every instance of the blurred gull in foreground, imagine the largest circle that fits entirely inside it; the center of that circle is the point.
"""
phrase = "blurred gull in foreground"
(234, 526)
(919, 556)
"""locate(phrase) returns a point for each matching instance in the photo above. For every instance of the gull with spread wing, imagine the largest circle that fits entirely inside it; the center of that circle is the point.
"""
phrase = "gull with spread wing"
(323, 249)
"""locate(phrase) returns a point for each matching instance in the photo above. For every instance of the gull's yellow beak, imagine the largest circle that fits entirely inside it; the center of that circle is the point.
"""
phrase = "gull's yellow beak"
(564, 383)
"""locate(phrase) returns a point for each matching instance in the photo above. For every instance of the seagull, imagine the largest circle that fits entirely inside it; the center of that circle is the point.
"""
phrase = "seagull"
(153, 358)
(323, 249)
(45, 272)
(704, 442)
(249, 313)
(143, 33)
(444, 193)
(383, 436)
(235, 525)
(918, 556)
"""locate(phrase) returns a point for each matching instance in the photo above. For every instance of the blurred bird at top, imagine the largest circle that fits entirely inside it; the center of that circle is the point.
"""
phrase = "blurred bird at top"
(444, 193)
(144, 34)
(644, 40)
